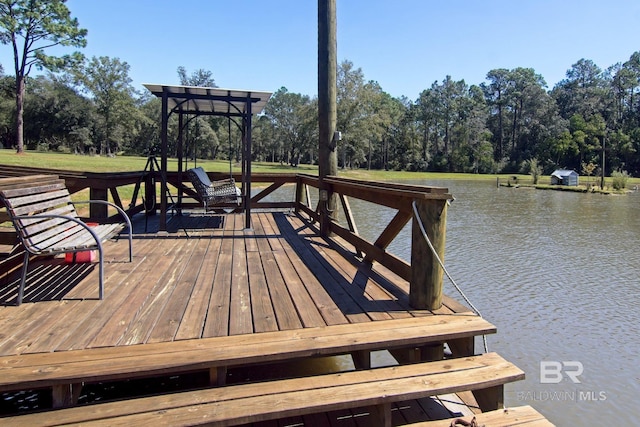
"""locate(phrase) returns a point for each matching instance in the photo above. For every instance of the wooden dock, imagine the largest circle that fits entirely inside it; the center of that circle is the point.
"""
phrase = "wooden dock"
(211, 310)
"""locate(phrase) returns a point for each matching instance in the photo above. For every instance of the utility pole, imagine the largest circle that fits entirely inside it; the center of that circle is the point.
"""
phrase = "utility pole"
(602, 175)
(327, 114)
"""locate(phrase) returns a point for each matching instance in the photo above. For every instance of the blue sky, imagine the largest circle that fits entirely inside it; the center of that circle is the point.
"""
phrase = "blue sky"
(404, 45)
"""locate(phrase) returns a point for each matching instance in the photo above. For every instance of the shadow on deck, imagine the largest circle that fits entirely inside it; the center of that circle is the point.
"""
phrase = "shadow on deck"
(209, 278)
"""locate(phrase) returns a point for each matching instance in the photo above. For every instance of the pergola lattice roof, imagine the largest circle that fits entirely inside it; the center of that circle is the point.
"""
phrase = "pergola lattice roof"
(209, 100)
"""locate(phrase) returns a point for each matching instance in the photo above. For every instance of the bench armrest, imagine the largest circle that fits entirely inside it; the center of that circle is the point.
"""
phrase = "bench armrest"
(113, 205)
(122, 213)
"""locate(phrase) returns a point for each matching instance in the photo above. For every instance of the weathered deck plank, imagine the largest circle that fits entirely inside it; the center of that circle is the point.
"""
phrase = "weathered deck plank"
(193, 321)
(207, 282)
(264, 317)
(217, 320)
(173, 312)
(241, 314)
(305, 251)
(109, 328)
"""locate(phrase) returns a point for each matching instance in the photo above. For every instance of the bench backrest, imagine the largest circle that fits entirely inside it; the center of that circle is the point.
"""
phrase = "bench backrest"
(198, 174)
(24, 204)
(223, 190)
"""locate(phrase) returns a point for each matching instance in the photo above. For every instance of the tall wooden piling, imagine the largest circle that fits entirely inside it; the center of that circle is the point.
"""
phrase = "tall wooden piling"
(327, 113)
(426, 273)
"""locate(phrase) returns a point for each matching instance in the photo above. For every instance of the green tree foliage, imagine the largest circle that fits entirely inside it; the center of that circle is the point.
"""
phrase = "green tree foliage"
(534, 169)
(367, 118)
(201, 135)
(107, 81)
(352, 112)
(7, 107)
(200, 77)
(452, 119)
(509, 123)
(145, 141)
(31, 27)
(387, 111)
(620, 180)
(294, 124)
(524, 119)
(57, 118)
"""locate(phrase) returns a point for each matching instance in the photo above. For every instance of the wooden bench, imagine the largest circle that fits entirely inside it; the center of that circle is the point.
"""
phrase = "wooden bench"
(255, 402)
(524, 416)
(65, 371)
(47, 224)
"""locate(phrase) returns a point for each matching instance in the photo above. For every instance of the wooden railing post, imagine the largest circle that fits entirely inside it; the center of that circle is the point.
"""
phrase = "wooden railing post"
(425, 290)
(98, 210)
(300, 187)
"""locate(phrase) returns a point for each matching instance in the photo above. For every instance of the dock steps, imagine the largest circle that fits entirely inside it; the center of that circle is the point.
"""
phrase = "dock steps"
(63, 370)
(246, 403)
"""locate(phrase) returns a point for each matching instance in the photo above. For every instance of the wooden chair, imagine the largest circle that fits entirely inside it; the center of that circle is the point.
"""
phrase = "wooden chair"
(213, 193)
(47, 224)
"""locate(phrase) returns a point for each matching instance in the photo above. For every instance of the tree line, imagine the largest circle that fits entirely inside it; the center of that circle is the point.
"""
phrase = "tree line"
(509, 123)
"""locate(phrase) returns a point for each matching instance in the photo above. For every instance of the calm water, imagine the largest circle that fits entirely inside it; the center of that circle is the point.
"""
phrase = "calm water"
(559, 275)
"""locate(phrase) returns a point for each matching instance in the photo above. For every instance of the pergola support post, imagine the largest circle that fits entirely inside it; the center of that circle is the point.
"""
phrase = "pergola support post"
(163, 161)
(246, 158)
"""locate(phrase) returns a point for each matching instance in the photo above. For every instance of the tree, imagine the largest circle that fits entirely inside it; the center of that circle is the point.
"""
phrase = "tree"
(107, 80)
(496, 98)
(582, 92)
(387, 112)
(534, 169)
(360, 114)
(56, 116)
(7, 104)
(200, 77)
(202, 135)
(350, 84)
(294, 120)
(31, 27)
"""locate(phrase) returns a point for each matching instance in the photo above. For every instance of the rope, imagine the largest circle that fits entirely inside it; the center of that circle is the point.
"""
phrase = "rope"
(463, 422)
(455, 285)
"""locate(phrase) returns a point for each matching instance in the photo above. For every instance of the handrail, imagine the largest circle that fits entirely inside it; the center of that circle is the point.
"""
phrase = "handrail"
(393, 195)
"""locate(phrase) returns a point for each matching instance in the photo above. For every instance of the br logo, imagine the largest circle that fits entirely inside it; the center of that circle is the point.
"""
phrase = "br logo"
(552, 372)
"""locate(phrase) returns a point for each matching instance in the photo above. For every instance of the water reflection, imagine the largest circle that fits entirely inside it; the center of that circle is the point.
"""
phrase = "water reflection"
(557, 273)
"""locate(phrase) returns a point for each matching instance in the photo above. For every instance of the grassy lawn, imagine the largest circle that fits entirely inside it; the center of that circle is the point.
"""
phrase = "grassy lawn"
(131, 163)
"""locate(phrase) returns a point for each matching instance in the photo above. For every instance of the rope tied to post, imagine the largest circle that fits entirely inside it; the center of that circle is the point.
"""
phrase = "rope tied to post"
(444, 269)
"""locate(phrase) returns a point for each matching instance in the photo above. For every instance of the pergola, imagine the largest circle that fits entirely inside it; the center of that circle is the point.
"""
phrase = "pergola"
(237, 105)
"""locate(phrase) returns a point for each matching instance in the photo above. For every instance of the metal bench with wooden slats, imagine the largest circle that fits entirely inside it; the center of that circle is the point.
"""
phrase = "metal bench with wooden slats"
(246, 403)
(47, 224)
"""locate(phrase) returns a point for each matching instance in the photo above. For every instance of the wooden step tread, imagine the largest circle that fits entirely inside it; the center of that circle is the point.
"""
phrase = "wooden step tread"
(524, 416)
(20, 372)
(238, 404)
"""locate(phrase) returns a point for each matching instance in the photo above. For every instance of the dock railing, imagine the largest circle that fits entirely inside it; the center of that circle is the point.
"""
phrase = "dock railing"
(424, 273)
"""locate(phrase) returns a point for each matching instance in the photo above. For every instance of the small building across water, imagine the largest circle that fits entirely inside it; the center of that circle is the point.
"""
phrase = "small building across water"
(564, 177)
